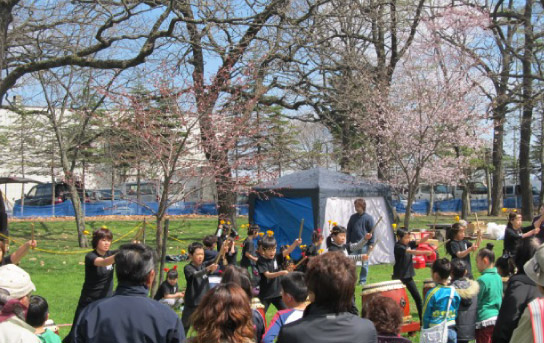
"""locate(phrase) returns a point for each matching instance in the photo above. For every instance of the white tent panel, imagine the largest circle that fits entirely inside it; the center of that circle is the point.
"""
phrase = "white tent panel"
(340, 209)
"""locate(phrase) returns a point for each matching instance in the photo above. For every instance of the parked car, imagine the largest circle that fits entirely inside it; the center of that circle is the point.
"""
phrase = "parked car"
(105, 194)
(93, 195)
(149, 191)
(42, 194)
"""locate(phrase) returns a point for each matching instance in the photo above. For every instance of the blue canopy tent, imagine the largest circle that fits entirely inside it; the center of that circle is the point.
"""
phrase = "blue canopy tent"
(317, 196)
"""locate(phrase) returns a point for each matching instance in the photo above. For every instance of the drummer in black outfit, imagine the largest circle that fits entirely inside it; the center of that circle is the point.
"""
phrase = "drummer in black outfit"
(458, 247)
(514, 232)
(232, 252)
(403, 269)
(98, 273)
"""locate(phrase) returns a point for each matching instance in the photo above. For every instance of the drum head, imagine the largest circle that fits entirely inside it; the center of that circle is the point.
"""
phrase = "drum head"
(382, 287)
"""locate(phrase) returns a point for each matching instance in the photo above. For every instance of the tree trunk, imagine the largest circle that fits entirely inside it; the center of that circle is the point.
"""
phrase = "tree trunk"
(498, 168)
(83, 188)
(70, 181)
(138, 182)
(158, 249)
(381, 169)
(162, 258)
(527, 117)
(411, 193)
(465, 202)
(144, 227)
(345, 149)
(22, 161)
(382, 166)
(226, 197)
(80, 216)
(5, 20)
(541, 195)
(159, 238)
(53, 195)
(112, 184)
(431, 201)
(502, 100)
(488, 184)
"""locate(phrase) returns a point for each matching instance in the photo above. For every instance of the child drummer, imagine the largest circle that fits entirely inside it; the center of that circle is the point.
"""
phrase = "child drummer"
(337, 242)
(268, 265)
(403, 269)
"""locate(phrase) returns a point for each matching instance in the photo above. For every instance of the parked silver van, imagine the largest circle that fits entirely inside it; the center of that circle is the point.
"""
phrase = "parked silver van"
(511, 191)
(477, 189)
(441, 192)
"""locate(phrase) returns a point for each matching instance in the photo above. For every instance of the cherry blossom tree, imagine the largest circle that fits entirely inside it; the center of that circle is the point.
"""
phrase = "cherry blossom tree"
(503, 33)
(430, 113)
(349, 41)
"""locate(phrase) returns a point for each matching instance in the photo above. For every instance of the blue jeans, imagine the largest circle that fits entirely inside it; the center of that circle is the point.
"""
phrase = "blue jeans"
(452, 336)
(364, 268)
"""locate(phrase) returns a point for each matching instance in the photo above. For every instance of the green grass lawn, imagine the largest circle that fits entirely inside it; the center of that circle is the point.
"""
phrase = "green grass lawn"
(59, 276)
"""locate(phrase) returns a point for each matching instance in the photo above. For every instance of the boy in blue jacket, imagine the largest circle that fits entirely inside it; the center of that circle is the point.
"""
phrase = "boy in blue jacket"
(436, 300)
(294, 293)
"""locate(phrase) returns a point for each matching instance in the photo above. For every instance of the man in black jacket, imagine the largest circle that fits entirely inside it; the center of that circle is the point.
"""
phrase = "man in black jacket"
(331, 284)
(129, 315)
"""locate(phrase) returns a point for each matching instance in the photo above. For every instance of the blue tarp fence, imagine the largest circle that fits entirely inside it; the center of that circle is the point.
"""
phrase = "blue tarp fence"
(124, 207)
(118, 207)
(454, 205)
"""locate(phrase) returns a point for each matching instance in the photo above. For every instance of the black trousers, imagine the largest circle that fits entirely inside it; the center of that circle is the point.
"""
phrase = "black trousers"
(277, 302)
(412, 288)
(186, 317)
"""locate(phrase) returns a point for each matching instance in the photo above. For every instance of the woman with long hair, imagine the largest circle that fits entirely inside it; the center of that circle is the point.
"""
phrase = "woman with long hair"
(240, 276)
(224, 316)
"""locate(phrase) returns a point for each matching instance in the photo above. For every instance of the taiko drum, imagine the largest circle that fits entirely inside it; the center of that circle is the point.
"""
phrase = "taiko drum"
(396, 291)
(429, 259)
